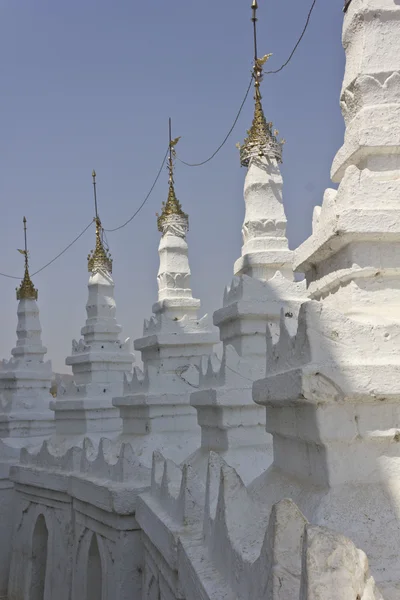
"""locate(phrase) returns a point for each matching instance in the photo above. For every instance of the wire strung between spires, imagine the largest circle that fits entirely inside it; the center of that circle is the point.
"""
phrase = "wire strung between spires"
(146, 198)
(91, 222)
(226, 137)
(53, 259)
(248, 90)
(63, 251)
(180, 160)
(297, 43)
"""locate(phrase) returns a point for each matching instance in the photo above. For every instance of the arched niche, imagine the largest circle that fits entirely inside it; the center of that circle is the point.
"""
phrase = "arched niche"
(40, 540)
(94, 574)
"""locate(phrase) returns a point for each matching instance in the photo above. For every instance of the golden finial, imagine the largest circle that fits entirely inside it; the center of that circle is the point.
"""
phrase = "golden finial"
(172, 206)
(99, 259)
(26, 290)
(261, 140)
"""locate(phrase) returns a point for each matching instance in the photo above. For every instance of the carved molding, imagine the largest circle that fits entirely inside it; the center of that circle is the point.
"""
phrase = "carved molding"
(263, 228)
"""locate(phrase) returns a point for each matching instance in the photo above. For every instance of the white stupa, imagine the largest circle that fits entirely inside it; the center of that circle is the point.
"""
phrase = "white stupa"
(232, 424)
(25, 417)
(332, 396)
(99, 361)
(155, 407)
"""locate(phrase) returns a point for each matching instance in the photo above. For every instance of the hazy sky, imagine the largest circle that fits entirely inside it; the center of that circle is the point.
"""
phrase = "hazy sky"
(91, 83)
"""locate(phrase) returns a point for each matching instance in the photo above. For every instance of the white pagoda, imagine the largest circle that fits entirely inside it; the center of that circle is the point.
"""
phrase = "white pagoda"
(99, 361)
(25, 417)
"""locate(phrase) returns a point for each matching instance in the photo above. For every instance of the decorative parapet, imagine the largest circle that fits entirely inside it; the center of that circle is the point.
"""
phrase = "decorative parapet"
(79, 347)
(231, 369)
(109, 461)
(139, 382)
(330, 344)
(278, 555)
(16, 365)
(177, 489)
(160, 323)
(334, 568)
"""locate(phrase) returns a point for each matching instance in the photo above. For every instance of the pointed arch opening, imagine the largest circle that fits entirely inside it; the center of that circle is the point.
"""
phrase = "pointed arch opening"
(39, 559)
(94, 576)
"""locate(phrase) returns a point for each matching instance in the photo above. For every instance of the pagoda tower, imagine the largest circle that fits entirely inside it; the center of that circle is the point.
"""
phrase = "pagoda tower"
(332, 395)
(25, 379)
(155, 407)
(232, 424)
(25, 417)
(99, 360)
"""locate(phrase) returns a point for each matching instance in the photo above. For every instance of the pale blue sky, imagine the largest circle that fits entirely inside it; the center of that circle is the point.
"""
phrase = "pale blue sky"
(91, 83)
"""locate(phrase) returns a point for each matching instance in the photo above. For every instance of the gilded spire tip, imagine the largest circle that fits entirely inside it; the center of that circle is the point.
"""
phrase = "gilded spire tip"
(261, 140)
(100, 258)
(172, 206)
(26, 290)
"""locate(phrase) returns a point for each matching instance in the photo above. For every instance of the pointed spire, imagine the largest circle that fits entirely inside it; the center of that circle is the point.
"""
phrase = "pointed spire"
(99, 259)
(261, 139)
(26, 290)
(172, 206)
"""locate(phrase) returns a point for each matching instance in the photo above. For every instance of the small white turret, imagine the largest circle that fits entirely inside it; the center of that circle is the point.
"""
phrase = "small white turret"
(25, 379)
(175, 298)
(231, 423)
(99, 361)
(25, 417)
(156, 404)
(265, 246)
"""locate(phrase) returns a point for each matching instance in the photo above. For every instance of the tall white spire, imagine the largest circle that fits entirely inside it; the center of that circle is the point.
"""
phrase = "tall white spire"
(25, 379)
(232, 424)
(100, 360)
(175, 298)
(332, 394)
(265, 246)
(155, 406)
(25, 417)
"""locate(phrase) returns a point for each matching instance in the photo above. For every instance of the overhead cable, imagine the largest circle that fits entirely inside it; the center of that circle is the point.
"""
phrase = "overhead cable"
(146, 198)
(53, 259)
(247, 93)
(180, 160)
(297, 43)
(226, 137)
(63, 251)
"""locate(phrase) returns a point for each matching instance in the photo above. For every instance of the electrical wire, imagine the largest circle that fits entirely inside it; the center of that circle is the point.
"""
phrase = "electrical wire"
(180, 160)
(297, 43)
(55, 258)
(63, 251)
(226, 137)
(87, 227)
(146, 198)
(200, 164)
(9, 276)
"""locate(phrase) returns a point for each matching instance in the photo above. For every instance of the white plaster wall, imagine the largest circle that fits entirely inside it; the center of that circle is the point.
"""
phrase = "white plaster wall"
(7, 501)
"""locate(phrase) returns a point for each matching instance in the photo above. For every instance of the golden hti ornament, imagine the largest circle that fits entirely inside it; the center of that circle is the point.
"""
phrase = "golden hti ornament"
(100, 258)
(261, 140)
(26, 290)
(172, 206)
